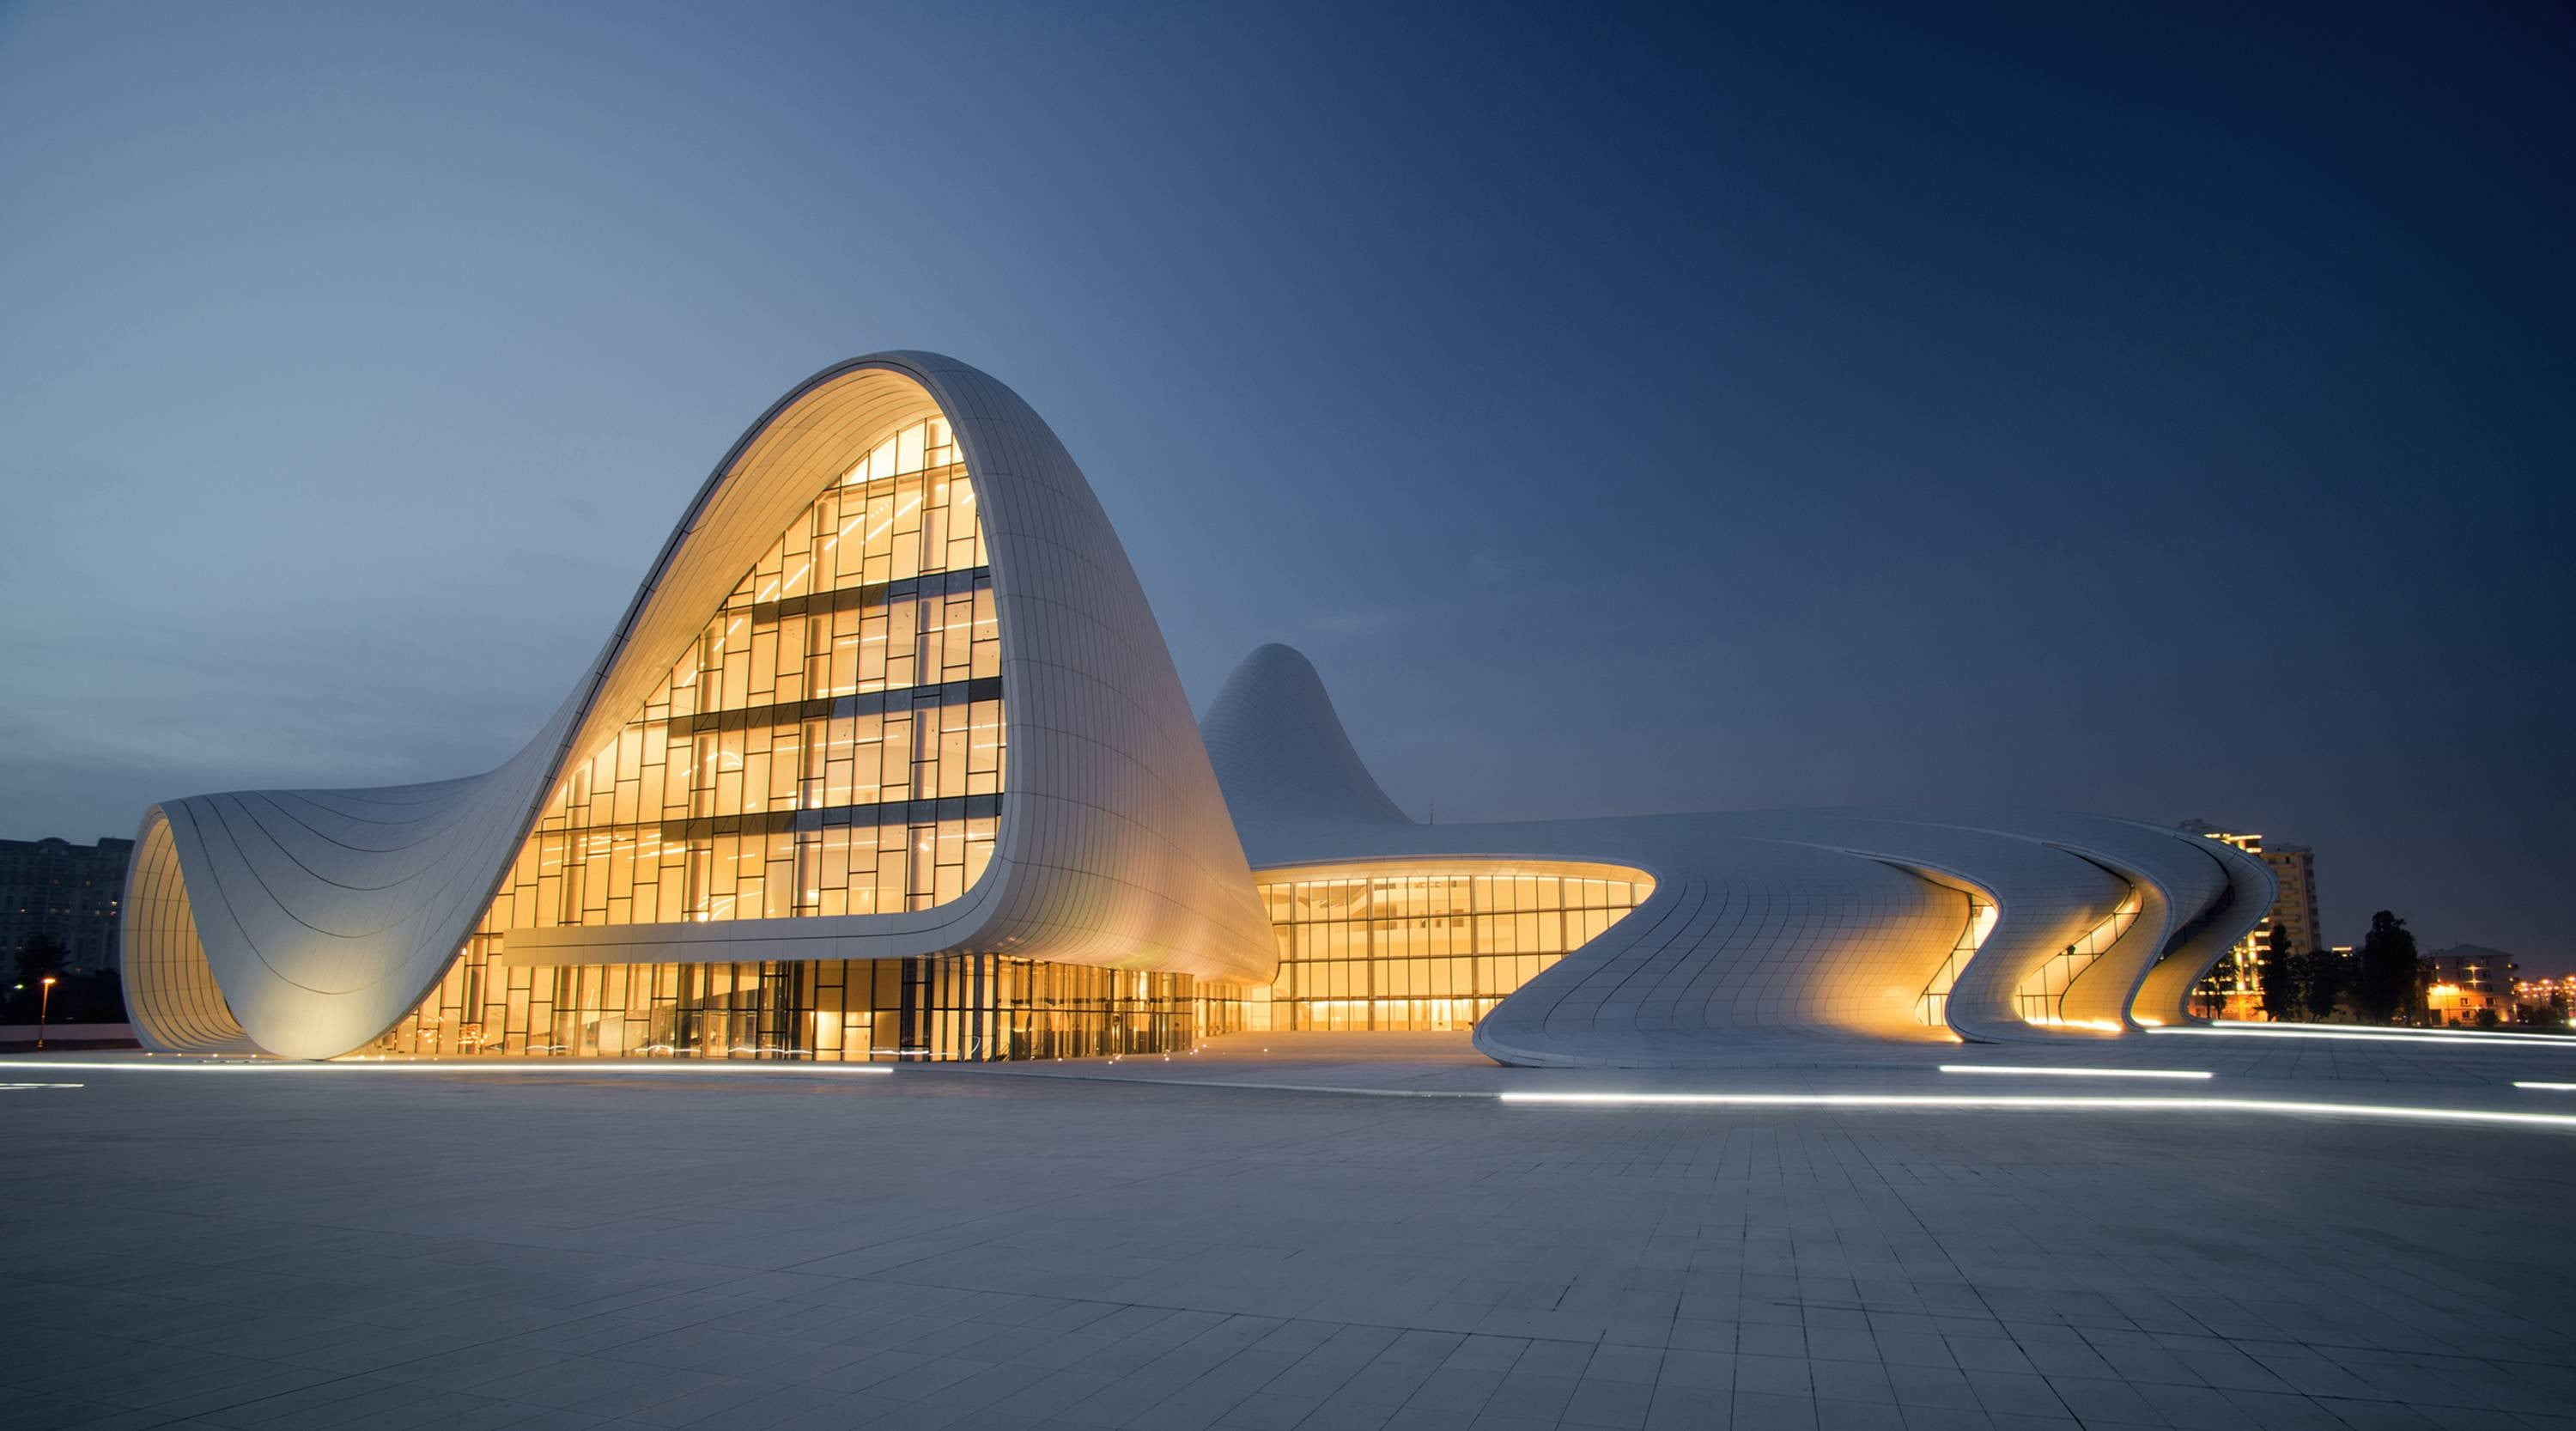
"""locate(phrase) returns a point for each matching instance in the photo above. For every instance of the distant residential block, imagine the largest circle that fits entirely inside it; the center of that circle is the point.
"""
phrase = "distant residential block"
(55, 888)
(2234, 986)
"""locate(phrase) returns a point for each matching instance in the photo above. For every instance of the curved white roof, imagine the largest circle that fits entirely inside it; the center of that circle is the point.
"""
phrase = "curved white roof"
(306, 922)
(1769, 924)
(1279, 746)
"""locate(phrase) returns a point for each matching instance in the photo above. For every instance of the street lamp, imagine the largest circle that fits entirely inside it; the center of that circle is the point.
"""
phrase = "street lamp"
(44, 1001)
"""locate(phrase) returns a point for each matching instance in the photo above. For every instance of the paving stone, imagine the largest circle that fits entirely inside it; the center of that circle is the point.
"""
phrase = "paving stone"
(1008, 1252)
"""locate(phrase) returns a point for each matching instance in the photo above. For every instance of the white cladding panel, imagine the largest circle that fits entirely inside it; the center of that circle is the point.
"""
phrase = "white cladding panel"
(321, 917)
(307, 922)
(1769, 925)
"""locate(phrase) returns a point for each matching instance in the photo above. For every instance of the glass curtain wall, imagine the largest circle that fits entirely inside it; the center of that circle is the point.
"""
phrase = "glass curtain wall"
(832, 743)
(1933, 1007)
(1428, 948)
(2040, 998)
(979, 1006)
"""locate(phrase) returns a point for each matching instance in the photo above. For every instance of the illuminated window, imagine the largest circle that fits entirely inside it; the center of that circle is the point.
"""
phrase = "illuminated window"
(788, 764)
(2040, 998)
(964, 1006)
(1933, 1007)
(832, 743)
(1429, 947)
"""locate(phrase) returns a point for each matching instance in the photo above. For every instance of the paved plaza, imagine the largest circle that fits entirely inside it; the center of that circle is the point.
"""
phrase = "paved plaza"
(1264, 1239)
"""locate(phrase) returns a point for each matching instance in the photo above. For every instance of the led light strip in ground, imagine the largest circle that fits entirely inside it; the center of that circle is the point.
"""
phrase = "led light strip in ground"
(530, 1066)
(2552, 1087)
(2005, 1068)
(2295, 1031)
(1856, 1101)
(2329, 1030)
(2038, 1101)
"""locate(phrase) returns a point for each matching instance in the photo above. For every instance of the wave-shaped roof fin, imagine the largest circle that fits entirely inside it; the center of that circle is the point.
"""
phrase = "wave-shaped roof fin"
(1280, 751)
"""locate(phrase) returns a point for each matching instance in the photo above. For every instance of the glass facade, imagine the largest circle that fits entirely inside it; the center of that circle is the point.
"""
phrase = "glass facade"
(1934, 1007)
(832, 743)
(968, 1006)
(1427, 947)
(2040, 998)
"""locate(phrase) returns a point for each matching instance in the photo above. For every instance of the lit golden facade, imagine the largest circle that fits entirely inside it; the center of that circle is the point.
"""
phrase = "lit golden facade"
(1871, 924)
(2040, 997)
(1933, 1009)
(884, 759)
(831, 744)
(1427, 947)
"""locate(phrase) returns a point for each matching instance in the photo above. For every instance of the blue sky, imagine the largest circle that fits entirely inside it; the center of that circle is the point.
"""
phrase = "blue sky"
(2164, 415)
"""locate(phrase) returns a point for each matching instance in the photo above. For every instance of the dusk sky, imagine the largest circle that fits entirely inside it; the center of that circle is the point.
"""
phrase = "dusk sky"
(2162, 412)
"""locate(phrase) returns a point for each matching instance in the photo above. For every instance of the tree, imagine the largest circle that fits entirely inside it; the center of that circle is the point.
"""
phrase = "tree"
(2390, 982)
(41, 955)
(2285, 979)
(81, 996)
(2329, 980)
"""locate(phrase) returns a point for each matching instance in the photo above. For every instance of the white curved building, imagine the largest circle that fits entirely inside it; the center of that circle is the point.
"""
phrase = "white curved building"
(1876, 924)
(887, 759)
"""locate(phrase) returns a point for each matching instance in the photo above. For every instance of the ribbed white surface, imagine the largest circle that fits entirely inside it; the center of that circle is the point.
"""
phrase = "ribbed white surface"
(321, 917)
(1280, 750)
(1785, 924)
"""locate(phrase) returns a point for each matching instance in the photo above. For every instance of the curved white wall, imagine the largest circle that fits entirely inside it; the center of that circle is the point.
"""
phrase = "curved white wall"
(307, 922)
(321, 917)
(1769, 925)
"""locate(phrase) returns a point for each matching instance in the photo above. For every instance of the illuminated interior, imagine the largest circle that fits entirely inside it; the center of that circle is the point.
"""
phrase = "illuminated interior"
(788, 764)
(2040, 998)
(2232, 988)
(1427, 946)
(769, 821)
(1933, 1007)
(831, 743)
(962, 1006)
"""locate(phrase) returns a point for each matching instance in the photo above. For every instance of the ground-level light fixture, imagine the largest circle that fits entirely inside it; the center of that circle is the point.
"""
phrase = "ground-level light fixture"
(2006, 1068)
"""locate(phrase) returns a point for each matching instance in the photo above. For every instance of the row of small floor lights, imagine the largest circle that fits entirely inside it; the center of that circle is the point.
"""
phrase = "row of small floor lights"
(218, 1062)
(221, 1063)
(179, 1063)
